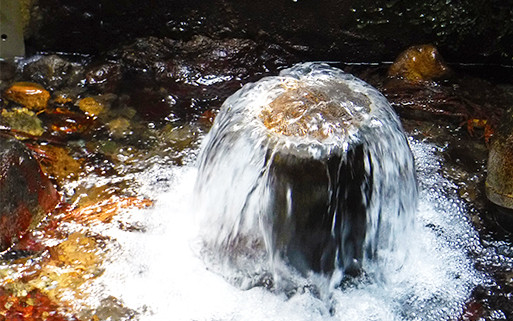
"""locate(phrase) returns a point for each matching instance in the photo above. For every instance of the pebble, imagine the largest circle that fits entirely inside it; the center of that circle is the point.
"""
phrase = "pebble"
(29, 95)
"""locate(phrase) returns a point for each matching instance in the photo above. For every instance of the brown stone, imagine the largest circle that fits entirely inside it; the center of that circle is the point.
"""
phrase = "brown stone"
(418, 64)
(499, 181)
(59, 165)
(27, 94)
(22, 120)
(91, 106)
(301, 111)
(26, 194)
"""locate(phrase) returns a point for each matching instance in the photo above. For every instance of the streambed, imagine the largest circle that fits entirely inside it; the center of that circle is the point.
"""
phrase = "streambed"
(146, 263)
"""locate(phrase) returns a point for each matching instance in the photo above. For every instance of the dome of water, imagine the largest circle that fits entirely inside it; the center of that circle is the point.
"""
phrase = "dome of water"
(311, 170)
(424, 272)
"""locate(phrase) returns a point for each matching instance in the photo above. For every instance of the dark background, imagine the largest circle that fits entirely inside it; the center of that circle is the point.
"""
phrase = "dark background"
(468, 31)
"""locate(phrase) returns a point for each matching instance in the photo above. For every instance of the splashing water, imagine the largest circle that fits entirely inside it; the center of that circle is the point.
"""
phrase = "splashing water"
(309, 169)
(160, 274)
(423, 270)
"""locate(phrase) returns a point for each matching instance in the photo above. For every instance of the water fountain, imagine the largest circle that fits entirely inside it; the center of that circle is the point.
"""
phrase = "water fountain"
(413, 264)
(312, 243)
(309, 169)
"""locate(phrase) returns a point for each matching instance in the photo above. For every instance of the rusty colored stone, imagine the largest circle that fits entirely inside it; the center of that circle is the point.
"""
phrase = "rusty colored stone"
(64, 122)
(32, 306)
(27, 94)
(104, 210)
(301, 111)
(418, 64)
(26, 194)
(58, 164)
(91, 106)
(207, 118)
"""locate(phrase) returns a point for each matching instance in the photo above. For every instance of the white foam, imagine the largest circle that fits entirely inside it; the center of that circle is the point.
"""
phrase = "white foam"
(160, 274)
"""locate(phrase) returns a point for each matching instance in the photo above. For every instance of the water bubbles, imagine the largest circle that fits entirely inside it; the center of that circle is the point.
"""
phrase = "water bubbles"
(161, 273)
(433, 284)
(333, 141)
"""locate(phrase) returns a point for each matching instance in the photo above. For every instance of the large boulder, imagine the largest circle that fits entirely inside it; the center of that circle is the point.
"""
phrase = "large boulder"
(26, 194)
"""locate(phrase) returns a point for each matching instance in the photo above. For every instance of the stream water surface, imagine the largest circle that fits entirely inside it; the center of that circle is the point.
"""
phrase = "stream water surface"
(151, 263)
(160, 272)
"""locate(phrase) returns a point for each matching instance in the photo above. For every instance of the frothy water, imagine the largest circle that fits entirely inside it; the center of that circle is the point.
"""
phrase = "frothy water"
(276, 188)
(164, 272)
(161, 274)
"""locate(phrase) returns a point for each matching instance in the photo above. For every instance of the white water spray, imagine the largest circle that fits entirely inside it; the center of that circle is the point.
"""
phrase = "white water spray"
(310, 169)
(161, 273)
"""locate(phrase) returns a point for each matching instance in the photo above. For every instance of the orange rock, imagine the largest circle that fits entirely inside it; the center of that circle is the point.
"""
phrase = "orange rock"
(295, 112)
(32, 306)
(207, 118)
(28, 94)
(91, 106)
(103, 211)
(65, 122)
(58, 164)
(418, 64)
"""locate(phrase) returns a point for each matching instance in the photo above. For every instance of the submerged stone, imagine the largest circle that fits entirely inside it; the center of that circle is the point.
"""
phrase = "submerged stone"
(25, 192)
(23, 120)
(499, 181)
(53, 72)
(311, 169)
(91, 106)
(419, 63)
(27, 94)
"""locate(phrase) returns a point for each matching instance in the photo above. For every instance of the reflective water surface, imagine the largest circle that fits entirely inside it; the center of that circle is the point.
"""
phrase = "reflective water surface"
(131, 246)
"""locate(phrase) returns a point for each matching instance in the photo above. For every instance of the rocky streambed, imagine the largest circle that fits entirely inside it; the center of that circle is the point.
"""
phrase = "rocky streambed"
(96, 123)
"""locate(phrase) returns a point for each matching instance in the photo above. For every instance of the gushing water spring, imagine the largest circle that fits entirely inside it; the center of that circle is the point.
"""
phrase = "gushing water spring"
(309, 169)
(415, 263)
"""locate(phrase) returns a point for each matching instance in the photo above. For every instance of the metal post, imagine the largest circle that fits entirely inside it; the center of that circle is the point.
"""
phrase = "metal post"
(11, 30)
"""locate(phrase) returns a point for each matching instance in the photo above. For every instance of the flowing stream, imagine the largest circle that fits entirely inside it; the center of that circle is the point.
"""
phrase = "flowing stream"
(161, 274)
(172, 270)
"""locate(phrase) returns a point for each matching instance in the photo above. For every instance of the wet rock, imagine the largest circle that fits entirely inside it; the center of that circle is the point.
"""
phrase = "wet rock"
(338, 30)
(70, 266)
(32, 306)
(30, 95)
(53, 72)
(207, 118)
(110, 308)
(22, 120)
(25, 192)
(104, 77)
(291, 139)
(91, 106)
(58, 164)
(163, 76)
(63, 123)
(119, 127)
(499, 182)
(419, 64)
